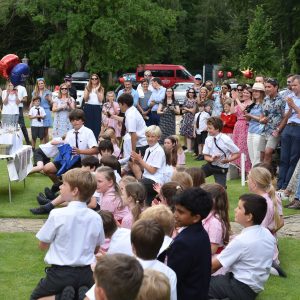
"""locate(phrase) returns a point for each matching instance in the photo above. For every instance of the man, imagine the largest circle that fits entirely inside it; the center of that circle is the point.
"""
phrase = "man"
(22, 95)
(197, 83)
(72, 90)
(157, 97)
(128, 89)
(272, 118)
(260, 79)
(288, 92)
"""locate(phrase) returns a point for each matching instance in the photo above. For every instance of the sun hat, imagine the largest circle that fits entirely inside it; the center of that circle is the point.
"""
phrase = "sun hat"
(257, 86)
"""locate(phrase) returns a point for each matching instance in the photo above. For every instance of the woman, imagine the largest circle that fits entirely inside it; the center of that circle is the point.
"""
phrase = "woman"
(93, 97)
(111, 108)
(46, 102)
(253, 115)
(62, 105)
(168, 110)
(203, 97)
(10, 109)
(240, 130)
(187, 122)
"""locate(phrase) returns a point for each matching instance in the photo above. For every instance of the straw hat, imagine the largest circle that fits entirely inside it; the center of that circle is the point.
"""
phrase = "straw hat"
(257, 86)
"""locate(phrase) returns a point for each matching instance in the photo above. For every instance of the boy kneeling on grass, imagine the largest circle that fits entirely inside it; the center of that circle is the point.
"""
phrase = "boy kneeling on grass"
(72, 235)
(248, 257)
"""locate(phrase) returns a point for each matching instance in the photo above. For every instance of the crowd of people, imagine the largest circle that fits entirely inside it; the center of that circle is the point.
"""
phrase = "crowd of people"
(131, 205)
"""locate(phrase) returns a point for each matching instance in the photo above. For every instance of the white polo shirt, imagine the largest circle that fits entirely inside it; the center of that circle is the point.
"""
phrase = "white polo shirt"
(249, 256)
(155, 156)
(73, 232)
(134, 122)
(34, 112)
(21, 94)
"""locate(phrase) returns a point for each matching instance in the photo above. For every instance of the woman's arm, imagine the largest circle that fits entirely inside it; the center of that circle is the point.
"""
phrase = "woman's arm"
(86, 95)
(160, 109)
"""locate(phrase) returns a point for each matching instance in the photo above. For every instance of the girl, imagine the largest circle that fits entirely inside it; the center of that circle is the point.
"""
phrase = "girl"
(170, 146)
(133, 196)
(110, 133)
(110, 197)
(184, 179)
(93, 97)
(188, 110)
(62, 105)
(217, 223)
(180, 152)
(197, 175)
(110, 108)
(168, 110)
(229, 119)
(40, 90)
(10, 110)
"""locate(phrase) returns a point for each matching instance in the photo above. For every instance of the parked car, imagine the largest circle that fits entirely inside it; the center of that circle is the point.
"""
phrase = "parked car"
(180, 89)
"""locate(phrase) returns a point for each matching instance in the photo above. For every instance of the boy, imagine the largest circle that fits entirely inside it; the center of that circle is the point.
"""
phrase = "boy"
(248, 256)
(36, 115)
(200, 130)
(219, 150)
(72, 234)
(190, 255)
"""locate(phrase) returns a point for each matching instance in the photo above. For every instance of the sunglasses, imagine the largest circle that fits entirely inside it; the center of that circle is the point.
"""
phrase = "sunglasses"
(239, 90)
(273, 81)
(40, 79)
(94, 78)
(63, 89)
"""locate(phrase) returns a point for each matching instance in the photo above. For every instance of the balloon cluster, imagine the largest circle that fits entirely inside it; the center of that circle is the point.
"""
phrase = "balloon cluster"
(221, 74)
(11, 68)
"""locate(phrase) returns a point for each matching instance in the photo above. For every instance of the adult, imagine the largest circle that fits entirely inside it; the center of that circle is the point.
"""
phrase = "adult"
(225, 93)
(142, 104)
(253, 114)
(62, 105)
(72, 90)
(240, 130)
(288, 92)
(204, 99)
(197, 83)
(10, 110)
(260, 79)
(93, 97)
(46, 102)
(22, 95)
(168, 110)
(147, 77)
(157, 97)
(187, 122)
(290, 137)
(128, 89)
(273, 113)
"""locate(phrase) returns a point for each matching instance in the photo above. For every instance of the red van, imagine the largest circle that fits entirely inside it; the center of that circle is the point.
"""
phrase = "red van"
(169, 74)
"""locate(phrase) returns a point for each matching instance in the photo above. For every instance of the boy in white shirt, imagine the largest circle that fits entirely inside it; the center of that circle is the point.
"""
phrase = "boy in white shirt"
(36, 115)
(71, 235)
(248, 257)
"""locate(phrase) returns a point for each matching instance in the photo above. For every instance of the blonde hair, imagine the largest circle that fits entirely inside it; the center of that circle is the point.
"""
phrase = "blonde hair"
(36, 91)
(59, 91)
(89, 86)
(153, 129)
(155, 285)
(263, 179)
(184, 179)
(128, 179)
(84, 181)
(110, 93)
(163, 215)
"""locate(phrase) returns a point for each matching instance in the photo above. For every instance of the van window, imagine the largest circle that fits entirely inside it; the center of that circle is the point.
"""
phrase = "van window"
(182, 74)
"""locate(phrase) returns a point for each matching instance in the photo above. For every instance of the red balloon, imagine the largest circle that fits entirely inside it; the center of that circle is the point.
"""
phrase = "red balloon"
(248, 73)
(229, 74)
(220, 74)
(7, 63)
(121, 80)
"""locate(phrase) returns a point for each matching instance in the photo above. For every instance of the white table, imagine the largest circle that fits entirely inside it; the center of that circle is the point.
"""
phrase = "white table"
(15, 139)
(19, 164)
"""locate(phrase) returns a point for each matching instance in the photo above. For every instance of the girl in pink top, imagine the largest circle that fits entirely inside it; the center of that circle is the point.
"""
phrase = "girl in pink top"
(110, 197)
(133, 196)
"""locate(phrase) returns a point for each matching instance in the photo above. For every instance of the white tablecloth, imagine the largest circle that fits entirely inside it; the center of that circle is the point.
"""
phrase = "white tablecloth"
(15, 139)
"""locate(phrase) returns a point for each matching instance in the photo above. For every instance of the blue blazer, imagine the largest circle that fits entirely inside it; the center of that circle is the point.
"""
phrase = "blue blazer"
(190, 257)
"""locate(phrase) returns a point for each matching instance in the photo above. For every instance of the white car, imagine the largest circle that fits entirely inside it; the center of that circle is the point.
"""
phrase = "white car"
(180, 89)
(79, 86)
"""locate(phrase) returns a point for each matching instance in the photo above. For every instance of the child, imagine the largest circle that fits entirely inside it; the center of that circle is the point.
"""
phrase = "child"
(228, 118)
(248, 256)
(110, 134)
(219, 150)
(184, 179)
(200, 129)
(72, 235)
(133, 196)
(105, 147)
(170, 146)
(190, 255)
(110, 197)
(112, 161)
(153, 162)
(36, 115)
(217, 223)
(147, 237)
(197, 175)
(180, 152)
(170, 167)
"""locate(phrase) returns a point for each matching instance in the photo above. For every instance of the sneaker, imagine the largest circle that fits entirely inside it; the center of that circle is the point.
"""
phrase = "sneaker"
(42, 199)
(200, 157)
(49, 194)
(282, 195)
(68, 293)
(82, 291)
(290, 203)
(43, 209)
(296, 205)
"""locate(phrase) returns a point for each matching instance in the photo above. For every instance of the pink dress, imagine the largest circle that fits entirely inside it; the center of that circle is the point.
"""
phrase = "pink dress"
(181, 158)
(239, 137)
(109, 122)
(127, 220)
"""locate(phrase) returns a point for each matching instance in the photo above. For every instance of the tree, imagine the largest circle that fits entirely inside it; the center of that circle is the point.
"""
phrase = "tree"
(294, 56)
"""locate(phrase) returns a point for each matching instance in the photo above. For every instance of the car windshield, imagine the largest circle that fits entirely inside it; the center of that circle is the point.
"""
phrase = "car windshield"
(181, 87)
(80, 86)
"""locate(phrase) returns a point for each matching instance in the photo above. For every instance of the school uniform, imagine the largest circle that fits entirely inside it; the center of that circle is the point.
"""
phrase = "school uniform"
(201, 126)
(248, 258)
(73, 233)
(46, 151)
(190, 257)
(37, 125)
(223, 146)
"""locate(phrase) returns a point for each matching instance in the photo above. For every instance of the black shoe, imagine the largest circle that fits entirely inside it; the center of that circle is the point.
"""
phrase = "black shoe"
(200, 157)
(82, 291)
(68, 293)
(281, 273)
(43, 209)
(42, 199)
(49, 194)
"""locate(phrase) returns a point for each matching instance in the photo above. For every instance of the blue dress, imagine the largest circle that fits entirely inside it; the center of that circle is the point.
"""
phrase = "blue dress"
(47, 107)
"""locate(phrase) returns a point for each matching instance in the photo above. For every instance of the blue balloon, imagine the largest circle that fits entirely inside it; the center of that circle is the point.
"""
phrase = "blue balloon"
(19, 74)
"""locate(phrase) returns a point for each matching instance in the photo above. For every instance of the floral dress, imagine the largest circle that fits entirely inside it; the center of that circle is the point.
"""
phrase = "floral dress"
(187, 121)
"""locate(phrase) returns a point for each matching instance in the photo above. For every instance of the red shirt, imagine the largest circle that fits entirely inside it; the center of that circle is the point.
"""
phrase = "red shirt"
(228, 122)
